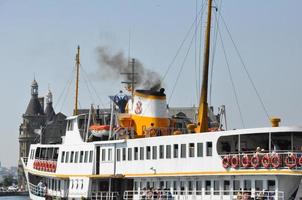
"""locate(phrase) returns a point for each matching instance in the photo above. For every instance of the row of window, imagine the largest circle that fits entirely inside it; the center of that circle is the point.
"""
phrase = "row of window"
(45, 153)
(77, 156)
(190, 150)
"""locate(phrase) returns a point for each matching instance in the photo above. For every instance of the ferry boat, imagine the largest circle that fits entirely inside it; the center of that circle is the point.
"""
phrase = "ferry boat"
(145, 154)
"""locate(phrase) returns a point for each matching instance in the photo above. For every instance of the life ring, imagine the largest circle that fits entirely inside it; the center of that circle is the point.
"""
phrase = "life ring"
(276, 161)
(235, 161)
(37, 164)
(226, 161)
(266, 161)
(54, 166)
(291, 161)
(245, 161)
(300, 161)
(255, 161)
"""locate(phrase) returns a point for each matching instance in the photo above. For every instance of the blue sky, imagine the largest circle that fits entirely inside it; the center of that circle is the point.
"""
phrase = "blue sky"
(39, 38)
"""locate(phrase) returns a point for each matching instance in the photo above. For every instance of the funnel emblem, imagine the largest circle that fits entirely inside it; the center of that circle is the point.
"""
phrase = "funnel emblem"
(138, 108)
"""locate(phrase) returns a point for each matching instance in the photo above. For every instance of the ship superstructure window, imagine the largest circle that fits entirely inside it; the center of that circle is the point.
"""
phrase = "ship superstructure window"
(141, 152)
(109, 154)
(226, 187)
(135, 153)
(271, 185)
(103, 155)
(90, 156)
(154, 152)
(63, 157)
(208, 187)
(191, 150)
(183, 151)
(259, 185)
(209, 148)
(190, 187)
(118, 155)
(247, 184)
(168, 151)
(67, 157)
(71, 157)
(124, 154)
(76, 157)
(148, 152)
(199, 149)
(216, 187)
(81, 156)
(198, 187)
(129, 154)
(86, 157)
(70, 125)
(236, 186)
(175, 150)
(161, 151)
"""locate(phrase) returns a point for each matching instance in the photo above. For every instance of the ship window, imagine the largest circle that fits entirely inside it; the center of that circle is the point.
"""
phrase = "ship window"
(250, 142)
(209, 148)
(297, 141)
(199, 149)
(190, 187)
(259, 185)
(174, 185)
(161, 185)
(86, 157)
(183, 151)
(109, 155)
(198, 187)
(282, 141)
(129, 154)
(37, 152)
(141, 151)
(161, 151)
(90, 156)
(71, 157)
(216, 187)
(175, 154)
(168, 151)
(67, 156)
(135, 153)
(76, 156)
(191, 150)
(226, 187)
(63, 156)
(124, 154)
(247, 184)
(103, 155)
(70, 125)
(168, 185)
(56, 153)
(208, 187)
(236, 186)
(154, 152)
(81, 156)
(148, 152)
(118, 154)
(271, 185)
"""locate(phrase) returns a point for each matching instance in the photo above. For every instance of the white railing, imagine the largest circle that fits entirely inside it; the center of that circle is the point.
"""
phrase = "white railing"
(97, 195)
(37, 190)
(203, 194)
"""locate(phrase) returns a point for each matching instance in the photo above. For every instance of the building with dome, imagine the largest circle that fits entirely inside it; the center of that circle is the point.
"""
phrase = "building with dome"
(39, 125)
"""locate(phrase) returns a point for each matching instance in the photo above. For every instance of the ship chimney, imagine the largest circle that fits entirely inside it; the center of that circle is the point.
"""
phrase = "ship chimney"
(275, 121)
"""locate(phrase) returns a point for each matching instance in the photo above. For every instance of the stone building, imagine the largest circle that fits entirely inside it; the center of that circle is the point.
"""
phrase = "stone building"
(38, 125)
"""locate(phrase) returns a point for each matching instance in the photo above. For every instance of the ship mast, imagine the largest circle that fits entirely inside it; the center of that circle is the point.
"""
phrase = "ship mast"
(75, 111)
(202, 123)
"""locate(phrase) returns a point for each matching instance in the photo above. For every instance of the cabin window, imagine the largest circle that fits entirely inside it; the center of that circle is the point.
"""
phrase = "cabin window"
(198, 187)
(208, 187)
(103, 155)
(124, 154)
(86, 157)
(70, 125)
(118, 155)
(37, 153)
(76, 157)
(209, 148)
(190, 187)
(191, 150)
(183, 151)
(56, 153)
(148, 152)
(226, 187)
(154, 152)
(63, 157)
(216, 187)
(71, 157)
(161, 151)
(283, 142)
(135, 153)
(247, 184)
(250, 142)
(81, 156)
(297, 141)
(67, 157)
(271, 185)
(199, 149)
(174, 185)
(168, 151)
(141, 152)
(175, 153)
(259, 185)
(236, 186)
(90, 156)
(109, 154)
(129, 154)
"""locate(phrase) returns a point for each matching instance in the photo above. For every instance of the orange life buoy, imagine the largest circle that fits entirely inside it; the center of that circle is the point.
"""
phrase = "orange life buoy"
(255, 161)
(226, 161)
(291, 161)
(266, 161)
(276, 161)
(235, 161)
(245, 161)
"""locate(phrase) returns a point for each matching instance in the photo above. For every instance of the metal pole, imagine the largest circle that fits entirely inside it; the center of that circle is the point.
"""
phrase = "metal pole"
(75, 112)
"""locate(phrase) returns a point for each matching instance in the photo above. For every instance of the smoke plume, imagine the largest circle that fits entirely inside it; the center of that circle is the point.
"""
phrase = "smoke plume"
(112, 65)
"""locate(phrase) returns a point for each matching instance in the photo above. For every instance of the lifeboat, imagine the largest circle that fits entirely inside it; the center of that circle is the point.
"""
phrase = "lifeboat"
(99, 130)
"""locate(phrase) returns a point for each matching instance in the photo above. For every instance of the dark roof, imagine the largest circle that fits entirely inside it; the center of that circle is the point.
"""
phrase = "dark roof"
(34, 107)
(161, 92)
(50, 113)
